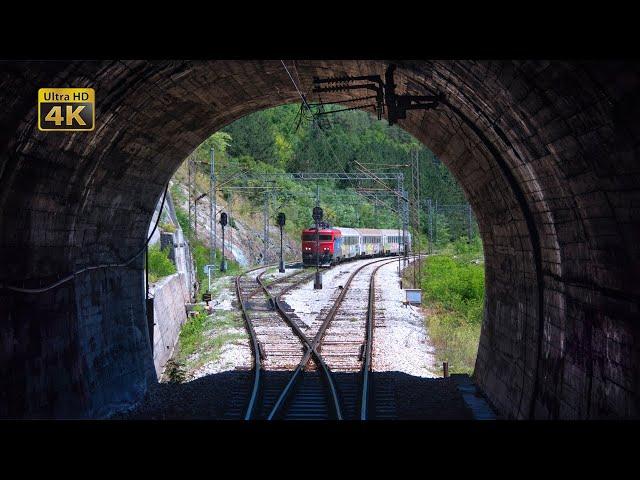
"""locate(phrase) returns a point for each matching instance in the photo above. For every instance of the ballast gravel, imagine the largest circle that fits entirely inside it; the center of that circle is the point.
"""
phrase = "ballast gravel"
(403, 357)
(400, 340)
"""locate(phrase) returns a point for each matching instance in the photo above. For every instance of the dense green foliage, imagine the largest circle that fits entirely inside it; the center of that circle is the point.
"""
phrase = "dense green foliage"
(159, 264)
(455, 284)
(279, 138)
(453, 293)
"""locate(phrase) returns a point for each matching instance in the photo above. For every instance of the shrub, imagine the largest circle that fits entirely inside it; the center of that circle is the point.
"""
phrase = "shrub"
(192, 331)
(174, 371)
(201, 256)
(159, 264)
(183, 220)
(168, 227)
(453, 288)
(456, 285)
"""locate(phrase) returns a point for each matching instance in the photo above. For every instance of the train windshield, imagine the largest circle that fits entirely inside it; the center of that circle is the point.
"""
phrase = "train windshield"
(311, 237)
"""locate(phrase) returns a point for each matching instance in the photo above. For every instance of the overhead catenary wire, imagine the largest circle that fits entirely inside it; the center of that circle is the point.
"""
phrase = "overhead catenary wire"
(93, 267)
(313, 117)
(359, 165)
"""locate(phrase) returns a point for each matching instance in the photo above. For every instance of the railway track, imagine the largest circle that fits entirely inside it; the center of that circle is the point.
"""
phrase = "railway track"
(321, 371)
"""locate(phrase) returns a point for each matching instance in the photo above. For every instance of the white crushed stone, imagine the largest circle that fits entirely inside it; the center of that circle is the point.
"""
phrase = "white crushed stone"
(400, 340)
(233, 355)
(225, 294)
(400, 344)
(275, 275)
(308, 302)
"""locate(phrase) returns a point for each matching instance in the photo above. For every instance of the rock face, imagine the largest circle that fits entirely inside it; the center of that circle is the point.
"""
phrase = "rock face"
(242, 243)
(546, 153)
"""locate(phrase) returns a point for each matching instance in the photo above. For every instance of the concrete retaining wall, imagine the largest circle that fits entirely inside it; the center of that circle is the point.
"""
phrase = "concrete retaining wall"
(169, 314)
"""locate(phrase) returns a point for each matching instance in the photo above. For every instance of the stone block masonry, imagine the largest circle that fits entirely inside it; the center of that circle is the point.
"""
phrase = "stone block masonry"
(545, 151)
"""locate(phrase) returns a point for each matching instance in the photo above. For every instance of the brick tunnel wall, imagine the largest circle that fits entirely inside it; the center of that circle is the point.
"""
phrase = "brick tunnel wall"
(546, 153)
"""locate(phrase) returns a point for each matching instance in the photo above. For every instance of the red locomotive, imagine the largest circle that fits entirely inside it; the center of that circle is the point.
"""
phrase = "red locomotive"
(327, 237)
(342, 243)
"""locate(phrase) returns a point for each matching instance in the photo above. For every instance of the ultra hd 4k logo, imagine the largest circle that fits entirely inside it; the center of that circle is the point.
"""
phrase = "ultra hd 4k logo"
(66, 109)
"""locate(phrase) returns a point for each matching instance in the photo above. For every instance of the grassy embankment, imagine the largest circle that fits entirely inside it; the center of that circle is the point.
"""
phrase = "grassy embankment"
(203, 334)
(453, 294)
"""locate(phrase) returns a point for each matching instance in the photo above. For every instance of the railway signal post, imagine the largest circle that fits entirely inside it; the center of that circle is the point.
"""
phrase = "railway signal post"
(223, 222)
(281, 222)
(317, 217)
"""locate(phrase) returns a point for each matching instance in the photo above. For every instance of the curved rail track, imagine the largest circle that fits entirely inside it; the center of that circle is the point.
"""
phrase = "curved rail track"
(322, 371)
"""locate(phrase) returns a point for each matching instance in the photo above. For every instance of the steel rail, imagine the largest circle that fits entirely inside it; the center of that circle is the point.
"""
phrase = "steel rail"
(255, 346)
(282, 279)
(309, 350)
(312, 349)
(368, 346)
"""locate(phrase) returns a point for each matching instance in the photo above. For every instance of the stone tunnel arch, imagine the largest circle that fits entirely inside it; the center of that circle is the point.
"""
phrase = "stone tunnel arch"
(546, 153)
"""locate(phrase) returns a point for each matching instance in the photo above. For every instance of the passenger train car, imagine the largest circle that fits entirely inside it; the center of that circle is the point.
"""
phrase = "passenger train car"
(338, 244)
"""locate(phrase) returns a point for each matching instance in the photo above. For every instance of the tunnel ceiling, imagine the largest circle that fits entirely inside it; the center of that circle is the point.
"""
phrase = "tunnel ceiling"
(546, 153)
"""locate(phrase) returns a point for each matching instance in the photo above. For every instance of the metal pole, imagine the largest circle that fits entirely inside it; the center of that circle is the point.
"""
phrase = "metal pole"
(317, 217)
(212, 214)
(375, 207)
(419, 225)
(405, 225)
(400, 232)
(445, 369)
(281, 266)
(223, 265)
(266, 227)
(189, 166)
(230, 208)
(317, 285)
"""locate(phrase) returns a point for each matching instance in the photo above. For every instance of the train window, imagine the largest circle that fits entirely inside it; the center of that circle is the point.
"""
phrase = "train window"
(311, 237)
